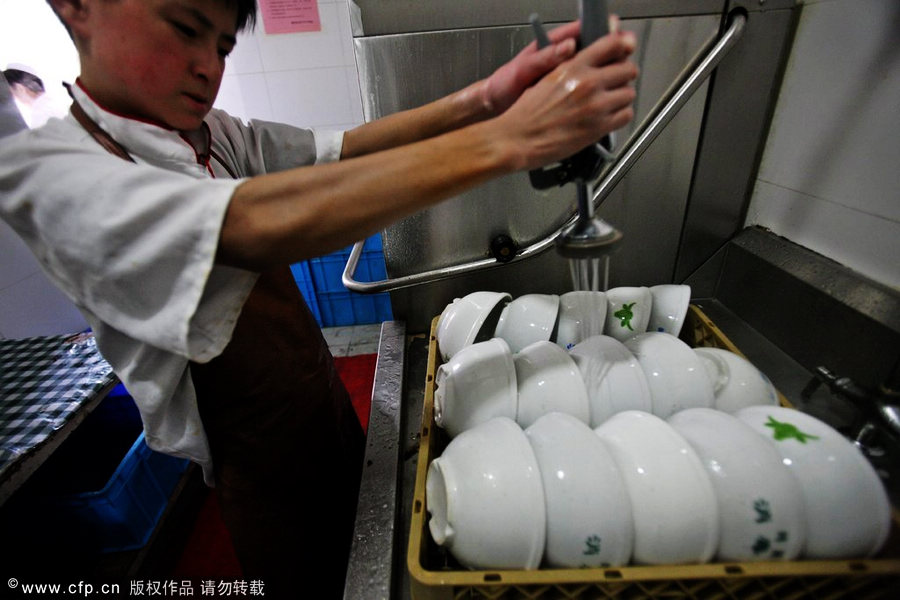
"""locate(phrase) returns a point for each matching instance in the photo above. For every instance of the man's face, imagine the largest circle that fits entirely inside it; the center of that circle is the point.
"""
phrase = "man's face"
(157, 60)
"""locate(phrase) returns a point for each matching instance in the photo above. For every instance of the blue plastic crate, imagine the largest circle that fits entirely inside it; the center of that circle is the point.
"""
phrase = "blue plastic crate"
(373, 244)
(349, 308)
(123, 513)
(336, 304)
(89, 456)
(327, 272)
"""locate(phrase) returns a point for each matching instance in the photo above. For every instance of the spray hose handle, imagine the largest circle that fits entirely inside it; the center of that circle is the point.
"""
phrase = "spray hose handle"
(585, 165)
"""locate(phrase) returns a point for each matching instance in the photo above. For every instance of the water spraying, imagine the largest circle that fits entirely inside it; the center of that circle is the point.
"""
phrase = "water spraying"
(589, 241)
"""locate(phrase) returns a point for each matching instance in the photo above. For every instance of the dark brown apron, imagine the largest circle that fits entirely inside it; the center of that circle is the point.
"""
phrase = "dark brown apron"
(286, 444)
(287, 447)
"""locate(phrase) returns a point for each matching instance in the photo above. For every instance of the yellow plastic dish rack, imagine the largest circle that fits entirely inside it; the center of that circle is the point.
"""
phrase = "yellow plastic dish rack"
(431, 578)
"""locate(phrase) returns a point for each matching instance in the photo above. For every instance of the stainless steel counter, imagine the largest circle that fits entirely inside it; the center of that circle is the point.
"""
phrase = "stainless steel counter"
(377, 567)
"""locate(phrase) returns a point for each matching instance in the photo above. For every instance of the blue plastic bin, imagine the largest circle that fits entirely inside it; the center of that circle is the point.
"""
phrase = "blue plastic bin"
(348, 308)
(123, 513)
(321, 279)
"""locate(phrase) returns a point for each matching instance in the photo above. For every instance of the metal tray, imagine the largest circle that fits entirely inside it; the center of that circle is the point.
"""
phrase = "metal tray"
(435, 576)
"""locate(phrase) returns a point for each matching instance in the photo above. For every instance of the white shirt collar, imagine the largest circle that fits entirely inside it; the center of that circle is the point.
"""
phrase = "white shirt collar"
(145, 142)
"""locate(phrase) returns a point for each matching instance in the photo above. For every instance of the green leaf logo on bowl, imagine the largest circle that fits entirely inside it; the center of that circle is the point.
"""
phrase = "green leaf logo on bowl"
(625, 315)
(763, 511)
(787, 431)
(592, 544)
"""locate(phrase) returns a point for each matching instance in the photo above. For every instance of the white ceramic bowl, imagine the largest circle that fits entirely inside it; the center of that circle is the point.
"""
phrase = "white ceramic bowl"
(628, 311)
(761, 511)
(848, 514)
(548, 381)
(677, 377)
(736, 382)
(581, 315)
(676, 514)
(477, 384)
(613, 377)
(589, 521)
(528, 319)
(486, 500)
(670, 306)
(461, 322)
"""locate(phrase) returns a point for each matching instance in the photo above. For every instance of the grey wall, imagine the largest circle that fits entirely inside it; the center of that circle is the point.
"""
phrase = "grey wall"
(830, 176)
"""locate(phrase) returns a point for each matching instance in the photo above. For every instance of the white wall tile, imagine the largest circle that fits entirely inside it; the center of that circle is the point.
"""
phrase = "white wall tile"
(246, 96)
(245, 57)
(311, 97)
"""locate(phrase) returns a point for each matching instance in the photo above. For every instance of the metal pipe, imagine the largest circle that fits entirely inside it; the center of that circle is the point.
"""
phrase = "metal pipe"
(691, 79)
(681, 90)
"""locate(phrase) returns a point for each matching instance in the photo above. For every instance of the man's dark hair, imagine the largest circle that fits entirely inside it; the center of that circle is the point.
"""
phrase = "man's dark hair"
(27, 80)
(246, 13)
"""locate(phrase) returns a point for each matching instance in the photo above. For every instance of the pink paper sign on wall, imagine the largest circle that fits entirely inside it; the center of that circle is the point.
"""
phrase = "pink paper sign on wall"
(290, 16)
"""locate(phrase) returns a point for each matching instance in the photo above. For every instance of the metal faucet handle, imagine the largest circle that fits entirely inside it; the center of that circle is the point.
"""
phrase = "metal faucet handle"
(587, 163)
(879, 412)
(843, 386)
(867, 439)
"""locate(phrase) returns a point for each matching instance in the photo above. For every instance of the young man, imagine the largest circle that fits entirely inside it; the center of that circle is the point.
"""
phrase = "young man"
(171, 226)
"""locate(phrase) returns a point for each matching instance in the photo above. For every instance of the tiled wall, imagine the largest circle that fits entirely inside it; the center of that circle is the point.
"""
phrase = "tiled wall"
(830, 175)
(304, 79)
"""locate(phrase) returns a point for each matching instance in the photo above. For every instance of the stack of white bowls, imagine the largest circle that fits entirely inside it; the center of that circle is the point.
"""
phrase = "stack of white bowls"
(566, 319)
(584, 433)
(769, 483)
(525, 357)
